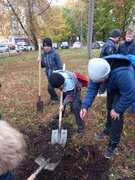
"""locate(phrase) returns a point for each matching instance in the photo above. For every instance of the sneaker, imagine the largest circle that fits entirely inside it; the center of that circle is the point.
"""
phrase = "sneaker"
(101, 136)
(80, 132)
(108, 153)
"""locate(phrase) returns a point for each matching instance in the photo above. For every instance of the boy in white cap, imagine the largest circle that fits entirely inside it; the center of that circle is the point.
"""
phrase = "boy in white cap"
(119, 75)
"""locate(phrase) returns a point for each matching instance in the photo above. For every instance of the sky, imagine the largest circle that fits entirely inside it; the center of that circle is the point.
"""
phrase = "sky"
(58, 2)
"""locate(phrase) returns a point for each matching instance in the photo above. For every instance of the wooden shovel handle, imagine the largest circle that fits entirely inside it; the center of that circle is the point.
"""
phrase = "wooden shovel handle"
(34, 175)
(61, 103)
(39, 67)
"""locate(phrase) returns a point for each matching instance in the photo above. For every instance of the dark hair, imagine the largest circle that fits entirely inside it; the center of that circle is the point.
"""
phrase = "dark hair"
(47, 42)
(56, 80)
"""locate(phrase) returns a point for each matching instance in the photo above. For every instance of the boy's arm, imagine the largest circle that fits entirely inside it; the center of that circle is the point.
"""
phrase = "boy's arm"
(58, 61)
(91, 94)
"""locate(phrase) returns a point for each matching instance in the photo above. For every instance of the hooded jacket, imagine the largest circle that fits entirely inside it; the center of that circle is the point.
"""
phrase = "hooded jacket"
(51, 62)
(121, 80)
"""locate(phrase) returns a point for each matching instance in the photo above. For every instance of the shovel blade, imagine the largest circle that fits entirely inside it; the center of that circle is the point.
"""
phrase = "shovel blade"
(42, 162)
(59, 137)
(40, 106)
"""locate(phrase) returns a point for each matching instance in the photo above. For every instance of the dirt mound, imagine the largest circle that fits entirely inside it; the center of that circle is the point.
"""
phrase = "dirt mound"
(76, 162)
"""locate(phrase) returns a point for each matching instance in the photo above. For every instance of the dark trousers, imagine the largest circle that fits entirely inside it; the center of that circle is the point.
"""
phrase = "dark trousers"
(52, 92)
(113, 127)
(75, 106)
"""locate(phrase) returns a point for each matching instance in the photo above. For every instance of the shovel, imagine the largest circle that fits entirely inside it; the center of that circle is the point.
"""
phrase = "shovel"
(59, 136)
(43, 164)
(40, 103)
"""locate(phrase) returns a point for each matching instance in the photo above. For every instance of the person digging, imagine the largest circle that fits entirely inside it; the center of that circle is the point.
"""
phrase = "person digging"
(67, 82)
(119, 77)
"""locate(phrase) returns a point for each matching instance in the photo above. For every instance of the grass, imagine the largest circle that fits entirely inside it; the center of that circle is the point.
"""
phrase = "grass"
(19, 92)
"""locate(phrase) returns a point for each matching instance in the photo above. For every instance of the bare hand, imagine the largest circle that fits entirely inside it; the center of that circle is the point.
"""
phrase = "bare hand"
(61, 108)
(83, 113)
(114, 115)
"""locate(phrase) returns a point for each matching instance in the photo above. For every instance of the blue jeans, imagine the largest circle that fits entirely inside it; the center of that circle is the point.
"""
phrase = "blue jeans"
(75, 106)
(113, 127)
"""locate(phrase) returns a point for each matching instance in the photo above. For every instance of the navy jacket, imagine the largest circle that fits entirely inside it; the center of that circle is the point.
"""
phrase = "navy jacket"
(121, 79)
(127, 48)
(108, 48)
(7, 176)
(51, 62)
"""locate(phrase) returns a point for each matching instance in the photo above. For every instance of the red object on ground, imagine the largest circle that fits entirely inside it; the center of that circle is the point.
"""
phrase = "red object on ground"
(82, 78)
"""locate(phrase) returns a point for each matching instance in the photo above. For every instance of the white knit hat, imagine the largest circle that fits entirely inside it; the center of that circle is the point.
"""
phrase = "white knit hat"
(98, 69)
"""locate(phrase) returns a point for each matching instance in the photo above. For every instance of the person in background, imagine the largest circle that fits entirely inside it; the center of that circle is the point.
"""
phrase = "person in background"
(51, 62)
(110, 46)
(67, 82)
(12, 150)
(119, 75)
(128, 48)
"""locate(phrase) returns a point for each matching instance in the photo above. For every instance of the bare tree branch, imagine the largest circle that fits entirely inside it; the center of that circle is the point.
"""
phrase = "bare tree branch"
(18, 19)
(42, 12)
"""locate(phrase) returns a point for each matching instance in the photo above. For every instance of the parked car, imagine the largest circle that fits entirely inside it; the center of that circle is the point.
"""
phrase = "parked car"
(4, 48)
(23, 46)
(55, 45)
(64, 45)
(97, 44)
(76, 44)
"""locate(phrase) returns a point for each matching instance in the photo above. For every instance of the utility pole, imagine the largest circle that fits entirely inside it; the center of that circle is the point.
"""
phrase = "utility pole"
(90, 27)
(81, 28)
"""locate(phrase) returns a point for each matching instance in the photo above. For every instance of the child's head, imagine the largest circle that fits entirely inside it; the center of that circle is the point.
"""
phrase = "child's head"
(98, 70)
(129, 36)
(56, 80)
(47, 44)
(12, 147)
(115, 35)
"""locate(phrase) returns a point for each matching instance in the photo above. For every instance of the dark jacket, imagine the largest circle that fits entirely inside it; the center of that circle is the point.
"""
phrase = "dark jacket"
(7, 176)
(121, 80)
(108, 48)
(127, 48)
(51, 62)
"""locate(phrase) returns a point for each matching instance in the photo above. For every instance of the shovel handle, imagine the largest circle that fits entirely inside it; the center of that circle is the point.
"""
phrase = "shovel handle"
(61, 103)
(34, 175)
(39, 67)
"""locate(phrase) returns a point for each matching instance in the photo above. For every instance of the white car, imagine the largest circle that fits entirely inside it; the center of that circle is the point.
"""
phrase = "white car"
(77, 44)
(4, 48)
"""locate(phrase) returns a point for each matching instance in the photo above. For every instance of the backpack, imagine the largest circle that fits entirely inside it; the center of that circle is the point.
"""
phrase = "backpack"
(81, 78)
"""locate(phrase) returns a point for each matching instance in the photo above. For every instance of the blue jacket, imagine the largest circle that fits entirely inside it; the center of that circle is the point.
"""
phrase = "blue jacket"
(127, 48)
(7, 176)
(121, 79)
(51, 62)
(108, 48)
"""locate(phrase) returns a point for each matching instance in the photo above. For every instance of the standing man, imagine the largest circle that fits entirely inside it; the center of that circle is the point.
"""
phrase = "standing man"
(119, 75)
(51, 62)
(110, 46)
(128, 47)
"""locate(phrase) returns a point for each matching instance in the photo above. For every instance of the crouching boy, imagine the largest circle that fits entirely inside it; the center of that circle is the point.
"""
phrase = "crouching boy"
(71, 87)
